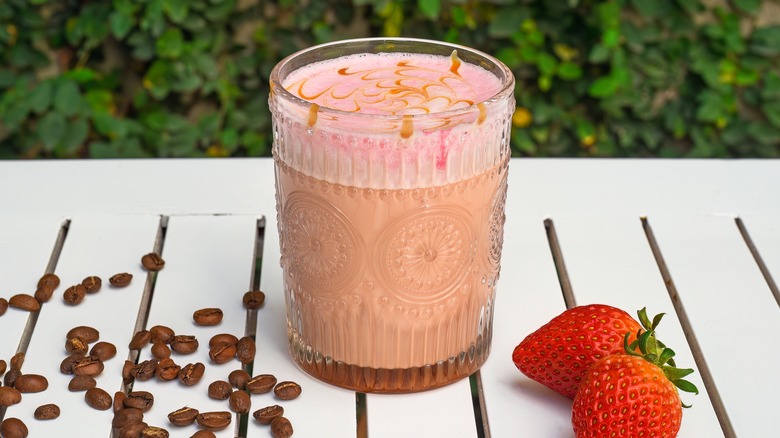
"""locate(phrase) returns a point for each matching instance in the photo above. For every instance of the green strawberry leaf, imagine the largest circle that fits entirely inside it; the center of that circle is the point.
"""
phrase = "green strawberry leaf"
(657, 320)
(643, 319)
(686, 386)
(666, 356)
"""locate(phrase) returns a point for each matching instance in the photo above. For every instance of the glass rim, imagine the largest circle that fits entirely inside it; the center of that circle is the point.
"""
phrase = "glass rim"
(506, 91)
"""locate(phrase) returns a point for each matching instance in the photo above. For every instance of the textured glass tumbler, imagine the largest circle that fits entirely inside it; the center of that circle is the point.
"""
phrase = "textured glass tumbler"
(391, 226)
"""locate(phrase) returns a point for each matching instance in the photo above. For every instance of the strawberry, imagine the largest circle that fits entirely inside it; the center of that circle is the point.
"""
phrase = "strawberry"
(632, 394)
(559, 353)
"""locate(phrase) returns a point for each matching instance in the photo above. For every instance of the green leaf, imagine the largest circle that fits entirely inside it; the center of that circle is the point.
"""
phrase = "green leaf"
(100, 100)
(429, 8)
(546, 63)
(647, 8)
(67, 98)
(772, 112)
(176, 10)
(120, 148)
(749, 6)
(509, 56)
(75, 135)
(40, 97)
(764, 133)
(50, 129)
(120, 24)
(766, 41)
(686, 386)
(569, 71)
(170, 44)
(507, 21)
(109, 125)
(604, 86)
(598, 54)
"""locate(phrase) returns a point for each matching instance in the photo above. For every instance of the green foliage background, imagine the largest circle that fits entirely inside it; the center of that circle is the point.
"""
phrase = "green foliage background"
(189, 78)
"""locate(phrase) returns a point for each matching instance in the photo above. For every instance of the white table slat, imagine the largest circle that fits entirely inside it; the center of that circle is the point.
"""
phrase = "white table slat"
(610, 261)
(26, 245)
(731, 310)
(528, 296)
(764, 231)
(102, 246)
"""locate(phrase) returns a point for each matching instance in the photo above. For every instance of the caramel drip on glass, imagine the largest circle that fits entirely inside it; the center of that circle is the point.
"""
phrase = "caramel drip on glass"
(407, 126)
(313, 114)
(482, 113)
(455, 62)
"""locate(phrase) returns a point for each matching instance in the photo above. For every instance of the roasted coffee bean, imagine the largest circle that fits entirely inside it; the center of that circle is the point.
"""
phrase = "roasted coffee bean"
(43, 294)
(10, 377)
(13, 428)
(238, 379)
(245, 350)
(92, 284)
(10, 396)
(240, 402)
(134, 430)
(167, 369)
(3, 306)
(161, 333)
(103, 351)
(17, 360)
(140, 339)
(192, 373)
(287, 390)
(76, 346)
(267, 414)
(120, 280)
(203, 434)
(154, 432)
(85, 333)
(160, 350)
(47, 412)
(208, 317)
(81, 383)
(74, 295)
(25, 302)
(254, 299)
(144, 370)
(214, 420)
(88, 366)
(28, 383)
(52, 281)
(119, 401)
(183, 417)
(223, 338)
(125, 417)
(66, 366)
(127, 371)
(3, 367)
(220, 390)
(281, 428)
(261, 384)
(152, 262)
(98, 399)
(184, 344)
(143, 400)
(222, 353)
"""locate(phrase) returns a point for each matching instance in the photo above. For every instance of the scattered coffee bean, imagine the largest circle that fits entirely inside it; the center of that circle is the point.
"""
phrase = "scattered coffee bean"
(81, 383)
(154, 432)
(222, 353)
(51, 281)
(98, 399)
(238, 379)
(66, 366)
(183, 417)
(223, 338)
(143, 400)
(92, 284)
(3, 306)
(184, 344)
(88, 366)
(47, 412)
(152, 262)
(17, 360)
(43, 294)
(13, 428)
(208, 317)
(29, 383)
(119, 401)
(25, 302)
(133, 430)
(10, 377)
(127, 371)
(287, 390)
(220, 390)
(281, 428)
(161, 333)
(254, 299)
(161, 351)
(140, 339)
(144, 370)
(240, 402)
(103, 351)
(125, 417)
(10, 396)
(261, 384)
(191, 373)
(76, 346)
(245, 350)
(120, 280)
(203, 434)
(74, 295)
(85, 333)
(167, 369)
(3, 366)
(267, 414)
(214, 420)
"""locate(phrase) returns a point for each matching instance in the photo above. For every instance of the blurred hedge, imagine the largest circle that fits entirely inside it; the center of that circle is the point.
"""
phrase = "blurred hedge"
(184, 78)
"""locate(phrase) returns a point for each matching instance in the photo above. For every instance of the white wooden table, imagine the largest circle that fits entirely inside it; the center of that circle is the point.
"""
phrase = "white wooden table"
(80, 218)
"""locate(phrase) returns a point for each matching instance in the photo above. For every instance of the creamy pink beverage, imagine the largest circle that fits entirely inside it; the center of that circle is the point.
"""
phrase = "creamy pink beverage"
(391, 182)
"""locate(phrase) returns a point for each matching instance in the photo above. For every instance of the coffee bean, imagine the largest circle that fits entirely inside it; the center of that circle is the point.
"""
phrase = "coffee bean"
(184, 344)
(142, 400)
(245, 350)
(98, 399)
(154, 432)
(10, 377)
(167, 369)
(214, 420)
(281, 428)
(133, 430)
(3, 306)
(3, 367)
(160, 351)
(74, 295)
(76, 346)
(240, 402)
(152, 262)
(220, 390)
(267, 414)
(10, 396)
(119, 401)
(66, 366)
(127, 371)
(120, 280)
(88, 366)
(208, 317)
(287, 390)
(161, 333)
(43, 294)
(29, 383)
(13, 428)
(222, 353)
(192, 373)
(238, 379)
(103, 351)
(125, 417)
(203, 434)
(81, 383)
(17, 360)
(47, 412)
(25, 302)
(92, 284)
(183, 416)
(50, 281)
(254, 299)
(85, 333)
(223, 338)
(261, 384)
(144, 370)
(140, 339)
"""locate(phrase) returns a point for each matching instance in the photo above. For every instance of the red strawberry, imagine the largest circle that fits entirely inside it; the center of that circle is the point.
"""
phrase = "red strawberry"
(559, 353)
